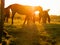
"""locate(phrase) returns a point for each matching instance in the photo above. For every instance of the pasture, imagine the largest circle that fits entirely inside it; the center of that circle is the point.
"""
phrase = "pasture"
(34, 34)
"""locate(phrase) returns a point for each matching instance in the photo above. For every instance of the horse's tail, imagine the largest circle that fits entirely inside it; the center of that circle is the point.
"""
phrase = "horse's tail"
(7, 12)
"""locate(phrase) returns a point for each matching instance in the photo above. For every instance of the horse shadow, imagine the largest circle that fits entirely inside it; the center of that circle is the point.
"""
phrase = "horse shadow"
(32, 33)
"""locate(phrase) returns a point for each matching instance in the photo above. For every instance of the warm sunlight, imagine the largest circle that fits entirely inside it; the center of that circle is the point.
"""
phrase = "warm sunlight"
(36, 13)
(53, 5)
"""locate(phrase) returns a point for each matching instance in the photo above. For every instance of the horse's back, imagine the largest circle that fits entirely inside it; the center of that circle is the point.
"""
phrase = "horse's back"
(19, 6)
(22, 9)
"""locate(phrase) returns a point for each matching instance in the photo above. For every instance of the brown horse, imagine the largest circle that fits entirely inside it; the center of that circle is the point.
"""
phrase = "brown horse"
(24, 10)
(44, 16)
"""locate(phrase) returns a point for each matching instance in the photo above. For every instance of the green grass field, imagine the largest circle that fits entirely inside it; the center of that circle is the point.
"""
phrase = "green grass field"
(34, 34)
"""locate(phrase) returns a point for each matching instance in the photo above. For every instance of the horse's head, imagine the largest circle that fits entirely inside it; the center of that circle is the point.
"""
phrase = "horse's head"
(46, 11)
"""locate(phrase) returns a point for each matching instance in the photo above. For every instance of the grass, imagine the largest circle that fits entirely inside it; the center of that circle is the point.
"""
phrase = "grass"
(34, 34)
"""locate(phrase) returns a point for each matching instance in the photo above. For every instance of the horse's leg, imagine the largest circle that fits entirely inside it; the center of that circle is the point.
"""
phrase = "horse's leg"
(48, 18)
(28, 19)
(25, 20)
(39, 19)
(13, 13)
(8, 15)
(40, 16)
(34, 18)
(7, 19)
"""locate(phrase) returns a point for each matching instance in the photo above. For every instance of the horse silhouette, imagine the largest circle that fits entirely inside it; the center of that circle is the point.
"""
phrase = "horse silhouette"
(44, 16)
(24, 10)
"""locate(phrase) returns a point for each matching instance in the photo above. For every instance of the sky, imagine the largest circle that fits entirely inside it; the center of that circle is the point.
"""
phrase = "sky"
(53, 5)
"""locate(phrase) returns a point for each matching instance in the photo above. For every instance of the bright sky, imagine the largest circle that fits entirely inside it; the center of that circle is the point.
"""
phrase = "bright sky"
(53, 5)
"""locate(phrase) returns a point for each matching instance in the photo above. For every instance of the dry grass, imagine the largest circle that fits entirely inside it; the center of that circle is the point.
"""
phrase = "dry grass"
(34, 34)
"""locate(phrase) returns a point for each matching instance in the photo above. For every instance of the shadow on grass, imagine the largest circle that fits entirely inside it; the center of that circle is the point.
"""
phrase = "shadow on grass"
(30, 35)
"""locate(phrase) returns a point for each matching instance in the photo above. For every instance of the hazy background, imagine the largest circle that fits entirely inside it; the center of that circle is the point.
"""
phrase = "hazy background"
(53, 5)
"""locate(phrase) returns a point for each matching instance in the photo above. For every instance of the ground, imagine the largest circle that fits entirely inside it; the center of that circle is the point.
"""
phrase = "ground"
(34, 34)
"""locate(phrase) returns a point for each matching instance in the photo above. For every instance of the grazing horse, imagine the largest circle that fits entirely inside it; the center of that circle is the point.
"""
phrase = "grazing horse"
(6, 14)
(24, 10)
(44, 16)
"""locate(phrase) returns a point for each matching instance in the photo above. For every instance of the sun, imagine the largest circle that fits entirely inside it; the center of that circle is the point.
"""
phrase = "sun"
(37, 13)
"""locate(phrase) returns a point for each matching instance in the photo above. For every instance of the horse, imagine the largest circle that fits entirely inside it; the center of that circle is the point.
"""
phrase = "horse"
(44, 16)
(24, 10)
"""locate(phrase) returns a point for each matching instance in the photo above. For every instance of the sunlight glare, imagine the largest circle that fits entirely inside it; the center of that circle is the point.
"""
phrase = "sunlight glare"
(37, 13)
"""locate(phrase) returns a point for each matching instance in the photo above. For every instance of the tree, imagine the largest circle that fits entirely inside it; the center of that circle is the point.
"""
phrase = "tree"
(1, 18)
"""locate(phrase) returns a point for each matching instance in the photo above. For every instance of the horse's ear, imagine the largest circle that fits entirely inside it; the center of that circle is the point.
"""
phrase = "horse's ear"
(48, 10)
